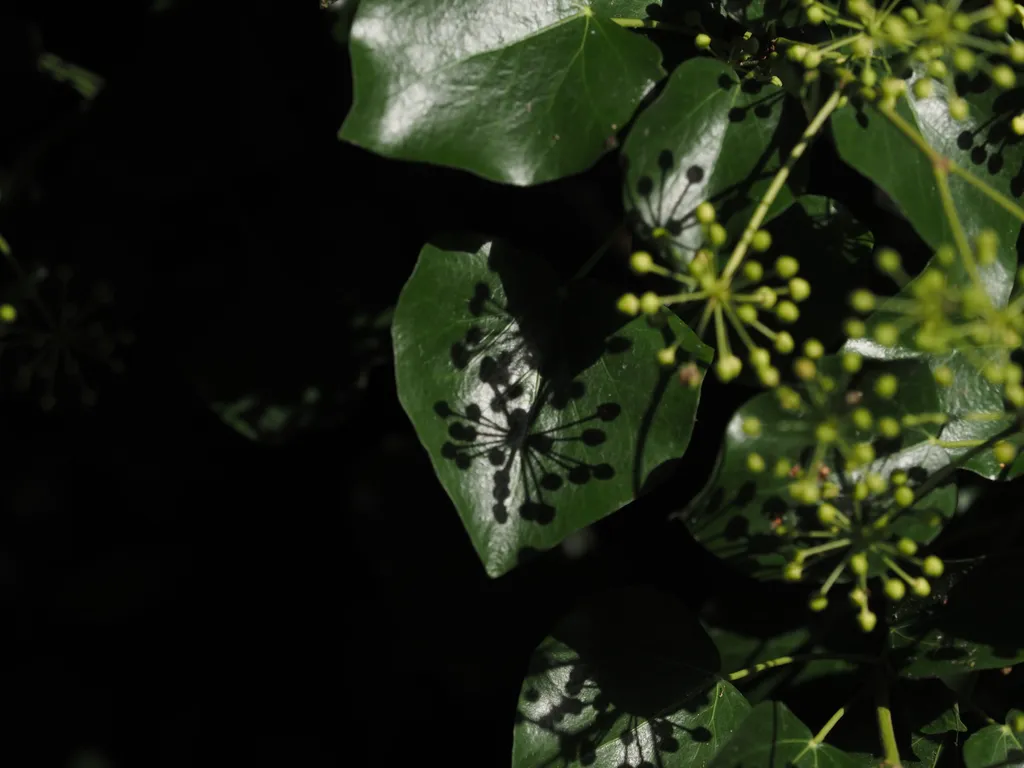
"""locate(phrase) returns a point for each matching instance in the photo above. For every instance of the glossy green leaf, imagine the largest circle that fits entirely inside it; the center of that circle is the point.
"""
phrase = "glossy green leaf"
(630, 679)
(982, 143)
(996, 745)
(515, 92)
(708, 136)
(736, 514)
(773, 737)
(541, 408)
(970, 622)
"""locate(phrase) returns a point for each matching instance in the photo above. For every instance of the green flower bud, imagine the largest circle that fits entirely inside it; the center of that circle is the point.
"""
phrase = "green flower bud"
(827, 514)
(782, 468)
(766, 297)
(796, 52)
(903, 496)
(860, 490)
(786, 267)
(987, 246)
(863, 453)
(945, 255)
(851, 362)
(812, 59)
(862, 47)
(876, 483)
(895, 589)
(753, 271)
(937, 69)
(907, 546)
(924, 88)
(862, 300)
(858, 597)
(814, 349)
(1017, 722)
(728, 368)
(826, 433)
(887, 334)
(702, 41)
(769, 376)
(886, 386)
(784, 342)
(996, 24)
(667, 356)
(861, 418)
(855, 328)
(717, 234)
(787, 312)
(958, 108)
(747, 313)
(816, 14)
(1003, 7)
(869, 77)
(804, 368)
(1003, 76)
(789, 400)
(751, 426)
(943, 375)
(762, 241)
(641, 262)
(1004, 452)
(760, 357)
(921, 587)
(629, 304)
(932, 567)
(963, 59)
(818, 603)
(910, 14)
(705, 212)
(8, 313)
(793, 572)
(888, 260)
(867, 620)
(893, 87)
(888, 427)
(1017, 124)
(898, 477)
(650, 303)
(755, 463)
(859, 563)
(1016, 52)
(799, 289)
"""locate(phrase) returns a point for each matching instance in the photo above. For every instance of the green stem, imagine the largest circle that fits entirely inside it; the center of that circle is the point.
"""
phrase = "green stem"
(628, 23)
(820, 735)
(959, 236)
(937, 478)
(778, 182)
(994, 195)
(890, 750)
(799, 657)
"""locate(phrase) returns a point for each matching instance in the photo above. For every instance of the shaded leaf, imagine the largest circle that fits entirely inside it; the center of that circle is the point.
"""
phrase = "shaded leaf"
(630, 679)
(708, 136)
(540, 410)
(996, 745)
(517, 93)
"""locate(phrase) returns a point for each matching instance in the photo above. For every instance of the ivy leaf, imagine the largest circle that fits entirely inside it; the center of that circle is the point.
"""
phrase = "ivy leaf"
(996, 745)
(982, 144)
(969, 623)
(774, 737)
(736, 514)
(540, 410)
(514, 92)
(630, 679)
(708, 136)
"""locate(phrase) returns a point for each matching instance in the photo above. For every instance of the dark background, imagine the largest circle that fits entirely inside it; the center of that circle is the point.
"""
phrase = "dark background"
(176, 594)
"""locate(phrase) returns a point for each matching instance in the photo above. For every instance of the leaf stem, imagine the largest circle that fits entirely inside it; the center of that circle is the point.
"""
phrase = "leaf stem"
(890, 750)
(820, 735)
(800, 657)
(778, 182)
(633, 23)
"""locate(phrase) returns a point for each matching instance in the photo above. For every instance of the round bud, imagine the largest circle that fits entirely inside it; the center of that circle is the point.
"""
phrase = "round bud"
(861, 418)
(1017, 722)
(862, 300)
(8, 313)
(862, 47)
(943, 375)
(762, 241)
(789, 400)
(860, 490)
(886, 334)
(812, 59)
(786, 267)
(826, 433)
(996, 24)
(932, 567)
(705, 213)
(907, 546)
(876, 483)
(1017, 52)
(867, 620)
(1003, 76)
(717, 234)
(886, 386)
(747, 313)
(1004, 452)
(769, 376)
(903, 496)
(816, 14)
(910, 14)
(751, 426)
(728, 368)
(987, 246)
(888, 260)
(792, 572)
(921, 587)
(963, 59)
(858, 597)
(796, 52)
(760, 357)
(895, 589)
(851, 362)
(893, 87)
(753, 271)
(799, 289)
(827, 514)
(863, 453)
(958, 108)
(859, 563)
(755, 463)
(937, 69)
(924, 88)
(629, 304)
(1017, 124)
(818, 603)
(650, 304)
(814, 349)
(702, 41)
(869, 77)
(898, 477)
(667, 356)
(855, 328)
(641, 262)
(782, 468)
(766, 297)
(787, 312)
(784, 343)
(804, 369)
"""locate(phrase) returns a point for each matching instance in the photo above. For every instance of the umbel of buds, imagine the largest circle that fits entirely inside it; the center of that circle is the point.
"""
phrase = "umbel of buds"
(743, 298)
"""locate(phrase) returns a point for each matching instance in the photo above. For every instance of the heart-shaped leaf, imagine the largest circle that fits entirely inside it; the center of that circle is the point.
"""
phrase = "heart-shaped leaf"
(983, 144)
(996, 745)
(514, 92)
(630, 679)
(970, 622)
(736, 515)
(708, 136)
(541, 412)
(773, 737)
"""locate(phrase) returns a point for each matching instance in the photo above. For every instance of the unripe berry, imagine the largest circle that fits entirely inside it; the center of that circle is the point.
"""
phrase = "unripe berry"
(958, 108)
(792, 572)
(867, 620)
(826, 433)
(1017, 52)
(827, 514)
(760, 357)
(814, 349)
(755, 463)
(789, 400)
(907, 546)
(937, 69)
(876, 483)
(1017, 722)
(753, 271)
(851, 362)
(650, 304)
(766, 297)
(863, 453)
(859, 563)
(898, 477)
(751, 426)
(1004, 452)
(787, 267)
(886, 334)
(921, 587)
(796, 52)
(667, 356)
(886, 386)
(717, 234)
(818, 603)
(869, 77)
(641, 262)
(855, 328)
(862, 47)
(987, 246)
(996, 24)
(895, 589)
(812, 59)
(784, 342)
(629, 304)
(932, 567)
(747, 313)
(816, 14)
(903, 496)
(858, 597)
(762, 241)
(963, 59)
(893, 87)
(787, 312)
(1003, 76)
(799, 289)
(860, 490)
(1017, 124)
(897, 29)
(769, 376)
(702, 41)
(781, 468)
(924, 88)
(943, 375)
(861, 418)
(804, 369)
(888, 427)
(862, 301)
(705, 213)
(728, 368)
